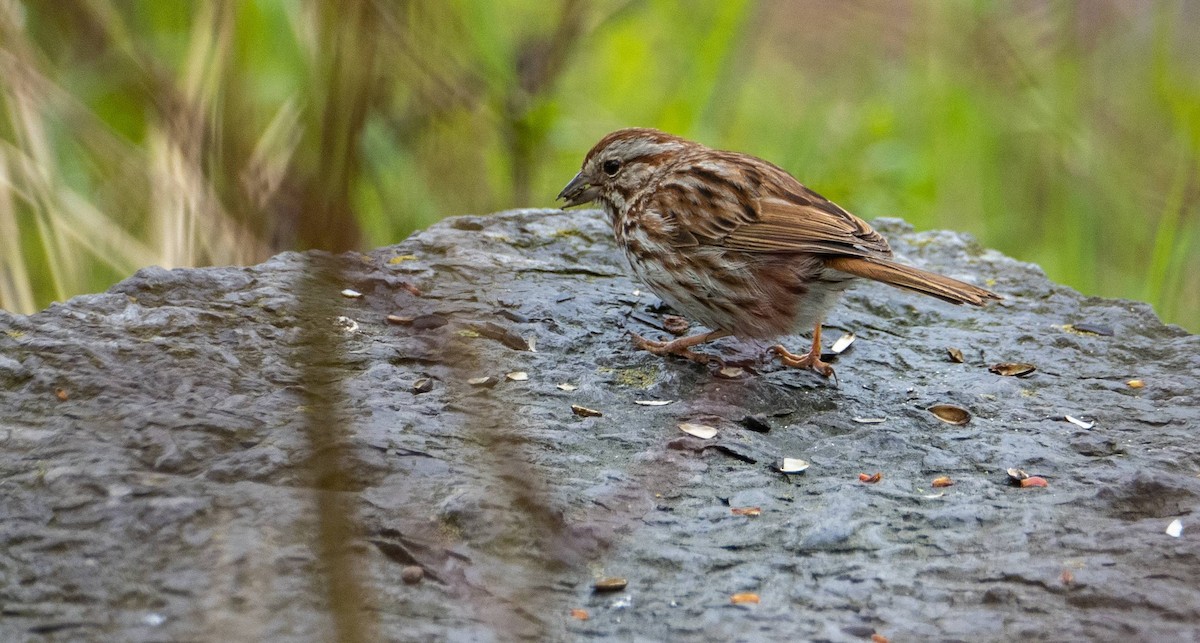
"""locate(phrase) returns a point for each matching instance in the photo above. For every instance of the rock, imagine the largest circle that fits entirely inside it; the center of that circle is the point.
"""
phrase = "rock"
(228, 448)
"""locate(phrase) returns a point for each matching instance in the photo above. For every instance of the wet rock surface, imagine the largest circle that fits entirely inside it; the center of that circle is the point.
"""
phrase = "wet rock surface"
(156, 442)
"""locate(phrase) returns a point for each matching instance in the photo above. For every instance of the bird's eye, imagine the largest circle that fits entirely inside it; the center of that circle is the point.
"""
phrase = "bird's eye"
(611, 167)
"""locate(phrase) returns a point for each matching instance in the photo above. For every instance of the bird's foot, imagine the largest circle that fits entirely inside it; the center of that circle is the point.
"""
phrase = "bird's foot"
(679, 347)
(810, 360)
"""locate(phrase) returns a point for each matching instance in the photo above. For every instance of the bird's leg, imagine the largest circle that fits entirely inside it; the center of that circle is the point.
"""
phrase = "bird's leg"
(811, 359)
(681, 346)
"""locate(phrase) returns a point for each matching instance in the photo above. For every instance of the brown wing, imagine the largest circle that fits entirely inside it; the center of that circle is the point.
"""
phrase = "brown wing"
(803, 223)
(744, 203)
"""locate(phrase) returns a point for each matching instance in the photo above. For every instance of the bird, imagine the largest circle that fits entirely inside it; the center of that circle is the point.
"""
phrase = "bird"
(736, 243)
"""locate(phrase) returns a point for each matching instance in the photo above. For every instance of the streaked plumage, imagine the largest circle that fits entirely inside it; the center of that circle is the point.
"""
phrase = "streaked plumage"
(736, 243)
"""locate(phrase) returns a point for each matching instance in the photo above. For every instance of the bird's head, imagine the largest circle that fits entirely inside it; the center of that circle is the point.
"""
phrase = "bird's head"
(620, 165)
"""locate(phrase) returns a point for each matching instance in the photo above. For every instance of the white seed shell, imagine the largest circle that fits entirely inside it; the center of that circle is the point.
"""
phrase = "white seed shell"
(793, 465)
(842, 343)
(701, 431)
(1083, 424)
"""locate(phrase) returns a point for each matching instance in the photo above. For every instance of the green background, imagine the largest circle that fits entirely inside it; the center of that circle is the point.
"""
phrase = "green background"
(194, 133)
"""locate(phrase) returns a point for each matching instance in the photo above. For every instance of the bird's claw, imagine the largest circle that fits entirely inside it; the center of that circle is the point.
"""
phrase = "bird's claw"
(673, 347)
(810, 360)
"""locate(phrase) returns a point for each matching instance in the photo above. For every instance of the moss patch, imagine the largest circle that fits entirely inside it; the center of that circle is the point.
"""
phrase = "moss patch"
(641, 378)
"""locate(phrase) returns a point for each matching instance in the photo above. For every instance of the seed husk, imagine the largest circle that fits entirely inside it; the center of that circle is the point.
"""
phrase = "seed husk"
(792, 465)
(423, 385)
(517, 376)
(746, 511)
(567, 387)
(1012, 369)
(956, 355)
(612, 584)
(702, 431)
(1083, 424)
(870, 420)
(1095, 329)
(1175, 529)
(585, 412)
(652, 402)
(744, 597)
(951, 414)
(350, 293)
(842, 344)
(486, 382)
(1016, 475)
(731, 372)
(1135, 384)
(400, 320)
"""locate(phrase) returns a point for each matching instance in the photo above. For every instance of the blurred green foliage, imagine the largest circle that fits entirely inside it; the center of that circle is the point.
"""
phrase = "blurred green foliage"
(186, 133)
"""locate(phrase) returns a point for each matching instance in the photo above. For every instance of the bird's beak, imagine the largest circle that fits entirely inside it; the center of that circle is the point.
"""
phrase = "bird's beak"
(578, 191)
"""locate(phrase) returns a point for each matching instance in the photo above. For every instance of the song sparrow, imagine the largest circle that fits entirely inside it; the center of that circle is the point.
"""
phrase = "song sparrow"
(735, 243)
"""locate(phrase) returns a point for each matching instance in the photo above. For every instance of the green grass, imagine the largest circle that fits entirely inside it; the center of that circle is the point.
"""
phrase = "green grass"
(138, 132)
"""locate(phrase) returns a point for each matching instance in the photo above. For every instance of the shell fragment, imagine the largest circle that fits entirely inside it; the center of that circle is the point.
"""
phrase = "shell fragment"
(951, 414)
(792, 465)
(842, 344)
(702, 431)
(1083, 424)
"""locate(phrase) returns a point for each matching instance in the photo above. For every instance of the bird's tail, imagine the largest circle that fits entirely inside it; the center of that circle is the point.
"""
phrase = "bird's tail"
(914, 279)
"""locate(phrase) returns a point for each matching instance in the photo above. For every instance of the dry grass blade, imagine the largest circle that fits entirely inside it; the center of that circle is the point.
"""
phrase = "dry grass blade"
(76, 230)
(272, 155)
(16, 290)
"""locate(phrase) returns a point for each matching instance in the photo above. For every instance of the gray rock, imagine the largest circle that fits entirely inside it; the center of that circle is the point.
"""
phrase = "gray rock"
(227, 448)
